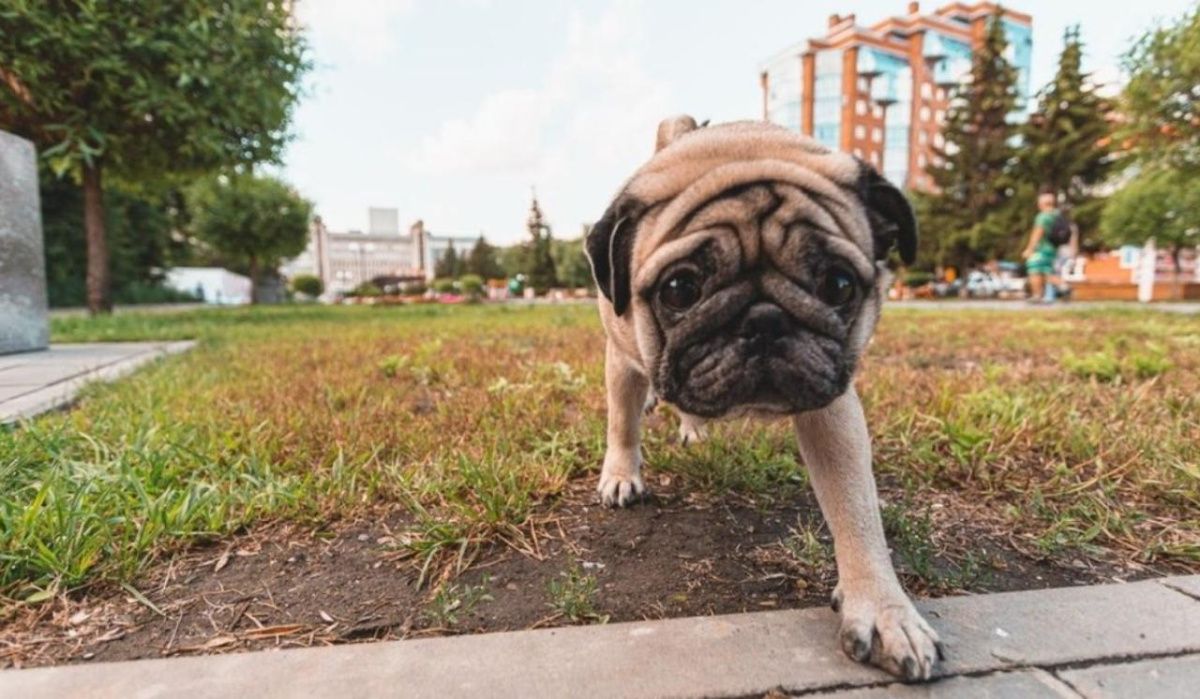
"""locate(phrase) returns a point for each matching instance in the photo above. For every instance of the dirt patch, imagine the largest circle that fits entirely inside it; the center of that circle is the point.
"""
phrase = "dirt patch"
(677, 554)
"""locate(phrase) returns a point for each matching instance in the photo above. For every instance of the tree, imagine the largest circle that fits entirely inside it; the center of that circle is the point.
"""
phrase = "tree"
(141, 90)
(253, 219)
(972, 173)
(449, 266)
(1066, 144)
(308, 284)
(571, 264)
(1161, 101)
(539, 261)
(483, 261)
(1158, 203)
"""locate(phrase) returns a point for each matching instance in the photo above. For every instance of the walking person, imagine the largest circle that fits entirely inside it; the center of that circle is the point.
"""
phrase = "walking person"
(1050, 230)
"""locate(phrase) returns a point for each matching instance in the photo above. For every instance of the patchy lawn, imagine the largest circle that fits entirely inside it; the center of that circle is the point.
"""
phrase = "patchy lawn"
(316, 475)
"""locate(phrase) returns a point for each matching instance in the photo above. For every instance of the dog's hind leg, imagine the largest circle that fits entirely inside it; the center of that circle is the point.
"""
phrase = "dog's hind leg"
(621, 477)
(879, 623)
(692, 429)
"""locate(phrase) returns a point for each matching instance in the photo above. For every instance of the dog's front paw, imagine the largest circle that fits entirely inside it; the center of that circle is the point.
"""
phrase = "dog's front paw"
(885, 630)
(692, 429)
(621, 480)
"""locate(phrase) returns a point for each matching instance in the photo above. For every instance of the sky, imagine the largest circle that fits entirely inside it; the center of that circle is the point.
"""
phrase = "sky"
(452, 110)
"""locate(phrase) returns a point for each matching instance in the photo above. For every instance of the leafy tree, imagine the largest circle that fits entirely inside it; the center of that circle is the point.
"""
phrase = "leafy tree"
(972, 173)
(1067, 141)
(1159, 203)
(255, 220)
(483, 261)
(1161, 101)
(140, 90)
(308, 285)
(513, 259)
(449, 265)
(571, 264)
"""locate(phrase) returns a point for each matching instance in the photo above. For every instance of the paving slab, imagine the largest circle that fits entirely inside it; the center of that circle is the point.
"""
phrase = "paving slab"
(735, 655)
(1186, 584)
(1161, 678)
(36, 382)
(1021, 684)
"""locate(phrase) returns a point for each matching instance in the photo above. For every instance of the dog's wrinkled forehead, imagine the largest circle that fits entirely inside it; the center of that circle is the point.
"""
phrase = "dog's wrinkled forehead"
(694, 166)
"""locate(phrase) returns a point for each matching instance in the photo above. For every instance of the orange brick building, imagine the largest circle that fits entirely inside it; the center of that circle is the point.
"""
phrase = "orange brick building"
(881, 91)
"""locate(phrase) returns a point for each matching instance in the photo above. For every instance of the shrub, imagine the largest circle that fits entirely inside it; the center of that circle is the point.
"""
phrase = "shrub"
(308, 285)
(471, 284)
(915, 279)
(443, 286)
(366, 289)
(414, 289)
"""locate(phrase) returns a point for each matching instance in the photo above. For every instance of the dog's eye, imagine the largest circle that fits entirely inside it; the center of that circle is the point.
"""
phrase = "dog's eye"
(680, 291)
(838, 287)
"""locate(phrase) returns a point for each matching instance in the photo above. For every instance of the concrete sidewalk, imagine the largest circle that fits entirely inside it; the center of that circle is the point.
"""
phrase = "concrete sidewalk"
(1133, 640)
(35, 382)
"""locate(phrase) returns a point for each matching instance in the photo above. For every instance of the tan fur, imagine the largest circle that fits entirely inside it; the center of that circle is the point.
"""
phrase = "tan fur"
(690, 166)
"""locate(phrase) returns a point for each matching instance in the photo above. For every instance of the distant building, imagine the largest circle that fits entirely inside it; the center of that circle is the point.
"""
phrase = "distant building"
(343, 260)
(212, 284)
(881, 91)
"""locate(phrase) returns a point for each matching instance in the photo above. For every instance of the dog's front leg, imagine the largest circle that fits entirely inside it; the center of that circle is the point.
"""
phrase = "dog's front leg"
(879, 622)
(621, 478)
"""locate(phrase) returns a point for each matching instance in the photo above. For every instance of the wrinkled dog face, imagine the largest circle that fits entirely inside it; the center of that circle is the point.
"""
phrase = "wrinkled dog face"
(758, 313)
(751, 283)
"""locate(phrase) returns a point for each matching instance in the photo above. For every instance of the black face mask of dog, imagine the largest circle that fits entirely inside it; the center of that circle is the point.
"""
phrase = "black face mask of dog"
(760, 299)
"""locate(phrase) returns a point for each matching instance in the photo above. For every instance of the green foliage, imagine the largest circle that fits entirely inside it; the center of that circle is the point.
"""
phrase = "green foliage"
(973, 171)
(1158, 203)
(450, 264)
(308, 284)
(365, 290)
(142, 91)
(452, 599)
(484, 261)
(140, 243)
(1066, 143)
(444, 286)
(573, 593)
(571, 264)
(538, 263)
(414, 289)
(1161, 101)
(471, 284)
(255, 219)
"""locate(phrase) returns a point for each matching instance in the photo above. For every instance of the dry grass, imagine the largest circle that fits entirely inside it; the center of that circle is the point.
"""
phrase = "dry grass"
(1070, 432)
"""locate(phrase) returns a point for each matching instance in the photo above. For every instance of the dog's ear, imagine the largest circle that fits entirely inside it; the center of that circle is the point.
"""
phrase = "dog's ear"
(893, 222)
(609, 247)
(672, 128)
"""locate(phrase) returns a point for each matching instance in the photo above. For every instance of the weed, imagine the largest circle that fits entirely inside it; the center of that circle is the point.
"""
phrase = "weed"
(573, 593)
(452, 600)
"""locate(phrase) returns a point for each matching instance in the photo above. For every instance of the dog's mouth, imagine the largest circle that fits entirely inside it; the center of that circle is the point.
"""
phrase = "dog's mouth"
(762, 361)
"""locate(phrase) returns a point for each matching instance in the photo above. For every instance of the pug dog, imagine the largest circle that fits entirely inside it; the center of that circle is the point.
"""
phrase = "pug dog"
(741, 272)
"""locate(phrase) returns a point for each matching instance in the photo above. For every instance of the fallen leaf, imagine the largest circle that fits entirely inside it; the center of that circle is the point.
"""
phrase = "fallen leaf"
(79, 617)
(325, 615)
(221, 562)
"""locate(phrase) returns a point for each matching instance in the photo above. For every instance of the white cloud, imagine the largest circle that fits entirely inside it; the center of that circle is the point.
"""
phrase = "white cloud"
(359, 30)
(596, 108)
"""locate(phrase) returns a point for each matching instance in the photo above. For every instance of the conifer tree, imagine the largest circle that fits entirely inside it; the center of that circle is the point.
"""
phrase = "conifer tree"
(973, 171)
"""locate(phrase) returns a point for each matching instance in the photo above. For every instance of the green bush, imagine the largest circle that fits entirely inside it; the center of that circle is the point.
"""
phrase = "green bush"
(444, 286)
(915, 279)
(366, 289)
(414, 289)
(308, 285)
(471, 284)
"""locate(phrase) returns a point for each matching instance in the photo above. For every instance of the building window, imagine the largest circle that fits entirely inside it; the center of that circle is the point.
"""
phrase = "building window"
(921, 161)
(875, 158)
(864, 85)
(926, 90)
(860, 132)
(860, 107)
(858, 152)
(939, 140)
(877, 135)
(940, 116)
(924, 113)
(922, 138)
(877, 111)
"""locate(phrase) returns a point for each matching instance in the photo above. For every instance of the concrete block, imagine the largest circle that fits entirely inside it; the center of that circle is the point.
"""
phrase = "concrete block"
(24, 320)
(1024, 684)
(1161, 678)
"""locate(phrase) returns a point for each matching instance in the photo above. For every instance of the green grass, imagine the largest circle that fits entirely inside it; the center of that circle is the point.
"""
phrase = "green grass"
(1081, 431)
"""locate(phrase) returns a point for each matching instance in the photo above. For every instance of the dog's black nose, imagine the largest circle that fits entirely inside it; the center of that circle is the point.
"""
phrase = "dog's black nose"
(763, 320)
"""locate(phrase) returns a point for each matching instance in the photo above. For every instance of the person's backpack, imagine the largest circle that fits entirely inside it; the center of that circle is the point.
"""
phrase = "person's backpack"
(1060, 230)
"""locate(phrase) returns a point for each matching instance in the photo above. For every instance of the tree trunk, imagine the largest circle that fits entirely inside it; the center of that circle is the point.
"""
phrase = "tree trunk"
(98, 300)
(1177, 273)
(253, 280)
